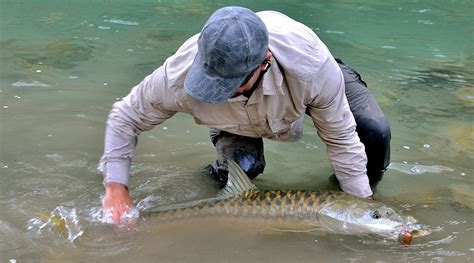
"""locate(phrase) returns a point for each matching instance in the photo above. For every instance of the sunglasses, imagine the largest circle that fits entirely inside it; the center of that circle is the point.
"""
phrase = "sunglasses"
(250, 75)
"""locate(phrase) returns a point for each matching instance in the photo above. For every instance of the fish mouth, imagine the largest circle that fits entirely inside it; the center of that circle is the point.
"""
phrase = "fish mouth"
(410, 231)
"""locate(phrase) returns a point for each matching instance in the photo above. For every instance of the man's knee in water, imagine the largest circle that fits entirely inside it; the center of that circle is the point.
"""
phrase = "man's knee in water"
(251, 160)
(251, 164)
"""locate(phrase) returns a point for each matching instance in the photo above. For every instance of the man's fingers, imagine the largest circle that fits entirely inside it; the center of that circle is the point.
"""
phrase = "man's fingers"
(116, 204)
(115, 214)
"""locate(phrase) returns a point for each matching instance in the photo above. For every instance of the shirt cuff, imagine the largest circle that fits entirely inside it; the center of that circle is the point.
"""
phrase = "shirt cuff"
(358, 187)
(117, 172)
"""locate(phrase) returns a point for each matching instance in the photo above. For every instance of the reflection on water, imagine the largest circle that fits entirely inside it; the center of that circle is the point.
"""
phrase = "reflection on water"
(418, 168)
(64, 64)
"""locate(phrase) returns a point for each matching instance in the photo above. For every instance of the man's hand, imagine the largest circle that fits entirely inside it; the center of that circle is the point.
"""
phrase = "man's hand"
(116, 202)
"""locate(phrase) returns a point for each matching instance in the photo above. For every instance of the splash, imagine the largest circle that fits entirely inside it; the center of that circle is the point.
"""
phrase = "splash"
(128, 218)
(63, 219)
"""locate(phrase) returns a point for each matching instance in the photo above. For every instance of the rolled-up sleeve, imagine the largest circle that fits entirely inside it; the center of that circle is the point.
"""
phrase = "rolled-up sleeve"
(335, 124)
(147, 105)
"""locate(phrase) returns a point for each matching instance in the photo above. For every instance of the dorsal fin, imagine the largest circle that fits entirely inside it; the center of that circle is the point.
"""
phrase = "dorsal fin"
(237, 181)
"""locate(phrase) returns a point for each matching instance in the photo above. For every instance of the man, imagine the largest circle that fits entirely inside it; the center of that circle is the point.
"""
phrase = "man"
(251, 76)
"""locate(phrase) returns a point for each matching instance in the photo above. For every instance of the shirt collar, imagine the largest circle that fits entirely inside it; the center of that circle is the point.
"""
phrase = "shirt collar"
(273, 80)
(238, 98)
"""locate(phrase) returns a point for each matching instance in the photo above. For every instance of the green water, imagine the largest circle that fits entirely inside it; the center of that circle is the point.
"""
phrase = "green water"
(63, 64)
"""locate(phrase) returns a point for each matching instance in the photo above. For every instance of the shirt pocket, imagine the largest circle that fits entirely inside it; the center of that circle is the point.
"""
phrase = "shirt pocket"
(279, 126)
(286, 129)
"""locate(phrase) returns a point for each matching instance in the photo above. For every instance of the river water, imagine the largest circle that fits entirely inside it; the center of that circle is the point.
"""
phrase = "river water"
(64, 63)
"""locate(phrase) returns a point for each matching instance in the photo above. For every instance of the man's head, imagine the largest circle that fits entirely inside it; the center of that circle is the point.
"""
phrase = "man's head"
(233, 43)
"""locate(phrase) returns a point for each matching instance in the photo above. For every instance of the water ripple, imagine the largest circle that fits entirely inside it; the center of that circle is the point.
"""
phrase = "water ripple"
(9, 238)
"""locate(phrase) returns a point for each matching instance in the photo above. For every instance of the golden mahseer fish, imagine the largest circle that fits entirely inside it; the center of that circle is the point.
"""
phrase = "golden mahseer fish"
(335, 212)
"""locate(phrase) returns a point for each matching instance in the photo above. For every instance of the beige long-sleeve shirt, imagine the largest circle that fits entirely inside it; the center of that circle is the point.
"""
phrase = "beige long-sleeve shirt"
(304, 77)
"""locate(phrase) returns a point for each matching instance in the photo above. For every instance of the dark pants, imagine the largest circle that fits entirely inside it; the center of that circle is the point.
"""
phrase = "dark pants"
(372, 127)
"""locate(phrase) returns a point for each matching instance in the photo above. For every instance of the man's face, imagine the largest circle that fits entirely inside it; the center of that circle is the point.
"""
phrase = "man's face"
(247, 85)
(256, 73)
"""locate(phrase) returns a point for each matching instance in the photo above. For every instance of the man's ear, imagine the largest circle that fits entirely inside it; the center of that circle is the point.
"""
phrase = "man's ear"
(269, 55)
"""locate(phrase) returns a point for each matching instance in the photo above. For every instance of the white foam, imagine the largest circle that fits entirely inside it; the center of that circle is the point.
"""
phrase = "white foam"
(334, 32)
(426, 22)
(122, 22)
(424, 10)
(29, 84)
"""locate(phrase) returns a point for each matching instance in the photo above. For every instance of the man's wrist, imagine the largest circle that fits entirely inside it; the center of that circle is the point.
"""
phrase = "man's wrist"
(112, 187)
(358, 186)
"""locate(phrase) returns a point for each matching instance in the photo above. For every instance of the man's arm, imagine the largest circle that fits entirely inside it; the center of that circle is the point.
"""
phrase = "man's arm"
(146, 106)
(335, 123)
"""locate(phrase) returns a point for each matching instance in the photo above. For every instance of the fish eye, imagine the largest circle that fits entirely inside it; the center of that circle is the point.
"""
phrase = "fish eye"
(376, 215)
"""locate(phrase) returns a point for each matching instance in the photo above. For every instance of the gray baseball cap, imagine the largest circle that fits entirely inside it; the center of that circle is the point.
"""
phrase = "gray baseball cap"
(233, 42)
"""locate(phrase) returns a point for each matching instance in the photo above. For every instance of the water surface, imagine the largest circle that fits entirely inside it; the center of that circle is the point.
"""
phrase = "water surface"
(63, 64)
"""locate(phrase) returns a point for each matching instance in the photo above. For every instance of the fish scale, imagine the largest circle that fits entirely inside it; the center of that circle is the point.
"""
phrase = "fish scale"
(280, 204)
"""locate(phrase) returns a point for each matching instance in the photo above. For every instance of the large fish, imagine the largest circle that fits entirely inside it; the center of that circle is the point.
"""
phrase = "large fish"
(335, 212)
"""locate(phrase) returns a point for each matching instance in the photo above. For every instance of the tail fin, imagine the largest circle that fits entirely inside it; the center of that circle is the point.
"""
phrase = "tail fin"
(237, 181)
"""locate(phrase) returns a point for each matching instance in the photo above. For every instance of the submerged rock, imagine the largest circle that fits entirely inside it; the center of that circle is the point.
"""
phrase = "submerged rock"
(463, 194)
(466, 94)
(62, 54)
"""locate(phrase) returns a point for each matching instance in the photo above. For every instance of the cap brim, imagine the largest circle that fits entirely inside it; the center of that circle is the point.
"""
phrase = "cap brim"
(207, 88)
